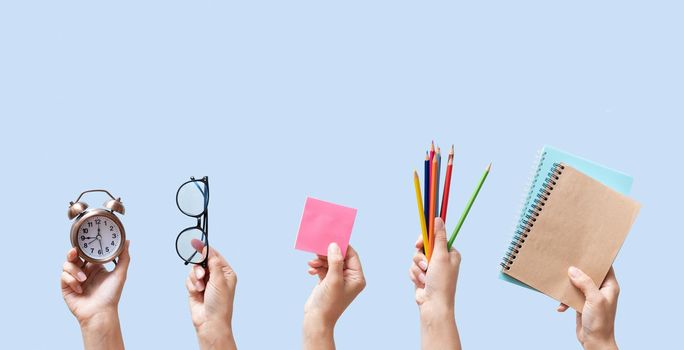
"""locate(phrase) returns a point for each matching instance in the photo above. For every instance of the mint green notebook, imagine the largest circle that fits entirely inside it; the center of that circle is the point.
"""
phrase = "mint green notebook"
(614, 179)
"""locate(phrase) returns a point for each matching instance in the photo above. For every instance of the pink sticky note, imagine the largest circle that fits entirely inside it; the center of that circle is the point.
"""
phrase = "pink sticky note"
(324, 223)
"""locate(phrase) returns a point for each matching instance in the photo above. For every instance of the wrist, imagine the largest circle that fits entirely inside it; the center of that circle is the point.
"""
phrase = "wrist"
(214, 334)
(317, 333)
(436, 312)
(600, 344)
(107, 318)
(102, 331)
(317, 325)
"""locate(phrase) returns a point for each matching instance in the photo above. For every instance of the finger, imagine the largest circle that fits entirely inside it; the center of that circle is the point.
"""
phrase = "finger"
(455, 256)
(71, 282)
(72, 257)
(417, 276)
(352, 260)
(440, 248)
(74, 270)
(562, 307)
(335, 263)
(196, 276)
(318, 263)
(419, 243)
(197, 244)
(320, 272)
(124, 260)
(195, 296)
(584, 283)
(610, 285)
(420, 261)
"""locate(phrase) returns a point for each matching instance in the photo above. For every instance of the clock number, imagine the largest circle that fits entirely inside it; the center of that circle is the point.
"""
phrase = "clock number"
(90, 224)
(85, 230)
(99, 252)
(113, 243)
(107, 249)
(113, 236)
(97, 221)
(83, 238)
(111, 228)
(92, 250)
(85, 245)
(105, 222)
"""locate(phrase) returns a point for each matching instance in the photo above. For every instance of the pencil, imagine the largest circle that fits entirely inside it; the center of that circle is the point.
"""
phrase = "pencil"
(421, 214)
(431, 218)
(426, 203)
(438, 156)
(467, 208)
(447, 185)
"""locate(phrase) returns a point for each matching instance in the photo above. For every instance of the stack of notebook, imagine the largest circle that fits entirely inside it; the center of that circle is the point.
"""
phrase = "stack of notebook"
(576, 213)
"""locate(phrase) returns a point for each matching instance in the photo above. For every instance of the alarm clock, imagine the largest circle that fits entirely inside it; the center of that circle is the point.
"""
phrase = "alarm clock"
(97, 234)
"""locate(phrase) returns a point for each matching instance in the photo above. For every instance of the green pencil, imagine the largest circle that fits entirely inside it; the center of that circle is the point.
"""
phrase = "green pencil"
(467, 208)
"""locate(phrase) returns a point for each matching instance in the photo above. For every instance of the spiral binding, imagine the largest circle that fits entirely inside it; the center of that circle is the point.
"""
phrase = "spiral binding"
(530, 216)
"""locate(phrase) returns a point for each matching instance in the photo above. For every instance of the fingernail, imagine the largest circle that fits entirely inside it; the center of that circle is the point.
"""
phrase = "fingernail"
(421, 277)
(574, 272)
(79, 290)
(335, 248)
(81, 276)
(423, 265)
(199, 273)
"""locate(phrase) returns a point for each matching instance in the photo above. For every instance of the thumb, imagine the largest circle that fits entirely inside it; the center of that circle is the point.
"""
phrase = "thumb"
(584, 283)
(124, 260)
(440, 247)
(335, 263)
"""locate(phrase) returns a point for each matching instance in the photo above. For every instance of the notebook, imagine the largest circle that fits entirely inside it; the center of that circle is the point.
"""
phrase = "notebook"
(547, 157)
(574, 220)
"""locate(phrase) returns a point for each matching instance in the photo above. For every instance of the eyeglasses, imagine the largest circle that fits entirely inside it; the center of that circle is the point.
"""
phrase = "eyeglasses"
(192, 199)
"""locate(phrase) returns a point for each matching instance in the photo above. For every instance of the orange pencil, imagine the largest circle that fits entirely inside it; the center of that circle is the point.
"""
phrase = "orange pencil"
(447, 185)
(433, 204)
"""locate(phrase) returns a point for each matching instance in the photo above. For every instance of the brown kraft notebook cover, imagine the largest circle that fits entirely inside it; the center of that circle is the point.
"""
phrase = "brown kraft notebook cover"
(578, 222)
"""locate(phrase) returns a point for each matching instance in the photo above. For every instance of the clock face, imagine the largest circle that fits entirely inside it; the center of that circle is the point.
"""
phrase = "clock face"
(99, 237)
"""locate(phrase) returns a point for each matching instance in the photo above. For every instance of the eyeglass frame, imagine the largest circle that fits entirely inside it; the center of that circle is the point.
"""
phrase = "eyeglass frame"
(202, 221)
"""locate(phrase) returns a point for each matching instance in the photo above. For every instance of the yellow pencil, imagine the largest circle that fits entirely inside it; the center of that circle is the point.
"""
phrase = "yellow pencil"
(421, 213)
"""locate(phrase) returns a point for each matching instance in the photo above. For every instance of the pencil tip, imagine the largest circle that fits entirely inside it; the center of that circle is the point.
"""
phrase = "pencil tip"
(489, 167)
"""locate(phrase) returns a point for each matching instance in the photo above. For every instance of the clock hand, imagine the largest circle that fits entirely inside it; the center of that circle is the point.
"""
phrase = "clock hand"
(101, 249)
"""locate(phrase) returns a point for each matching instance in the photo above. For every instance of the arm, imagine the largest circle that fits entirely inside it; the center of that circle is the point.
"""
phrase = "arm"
(340, 280)
(435, 292)
(211, 300)
(92, 295)
(596, 323)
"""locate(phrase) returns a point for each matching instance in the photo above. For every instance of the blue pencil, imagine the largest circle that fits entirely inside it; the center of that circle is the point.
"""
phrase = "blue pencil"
(426, 202)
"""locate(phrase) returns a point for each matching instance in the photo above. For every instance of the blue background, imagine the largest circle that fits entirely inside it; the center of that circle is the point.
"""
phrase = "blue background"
(277, 100)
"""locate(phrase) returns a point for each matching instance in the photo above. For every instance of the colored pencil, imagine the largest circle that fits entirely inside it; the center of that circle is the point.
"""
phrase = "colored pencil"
(438, 157)
(426, 203)
(468, 206)
(431, 218)
(447, 185)
(421, 215)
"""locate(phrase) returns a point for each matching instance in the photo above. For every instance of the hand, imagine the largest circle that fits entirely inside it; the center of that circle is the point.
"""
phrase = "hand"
(340, 281)
(595, 324)
(435, 285)
(92, 295)
(211, 297)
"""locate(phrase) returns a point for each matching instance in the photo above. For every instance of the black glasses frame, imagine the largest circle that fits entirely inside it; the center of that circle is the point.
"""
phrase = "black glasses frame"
(202, 221)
